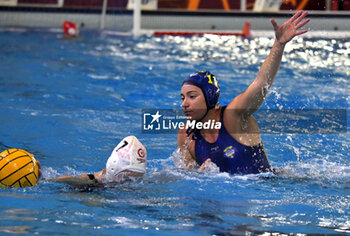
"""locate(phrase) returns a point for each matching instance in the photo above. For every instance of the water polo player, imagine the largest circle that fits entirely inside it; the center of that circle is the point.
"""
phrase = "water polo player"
(236, 147)
(127, 162)
(70, 30)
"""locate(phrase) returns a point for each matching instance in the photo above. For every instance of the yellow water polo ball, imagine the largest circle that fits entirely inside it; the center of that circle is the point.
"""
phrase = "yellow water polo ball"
(18, 168)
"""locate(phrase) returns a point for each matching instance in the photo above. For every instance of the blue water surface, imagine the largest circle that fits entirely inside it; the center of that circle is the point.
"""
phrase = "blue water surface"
(69, 102)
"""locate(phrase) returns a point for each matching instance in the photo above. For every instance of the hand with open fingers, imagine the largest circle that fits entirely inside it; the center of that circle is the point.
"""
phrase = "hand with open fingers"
(205, 165)
(289, 29)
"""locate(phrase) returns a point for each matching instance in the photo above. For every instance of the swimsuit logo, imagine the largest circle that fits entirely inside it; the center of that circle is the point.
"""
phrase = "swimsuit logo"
(229, 152)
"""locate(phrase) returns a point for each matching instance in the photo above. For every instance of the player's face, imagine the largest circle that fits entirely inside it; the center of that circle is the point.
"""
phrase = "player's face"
(193, 102)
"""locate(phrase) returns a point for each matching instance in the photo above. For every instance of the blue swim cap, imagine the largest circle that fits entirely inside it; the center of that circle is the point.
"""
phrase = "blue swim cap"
(207, 82)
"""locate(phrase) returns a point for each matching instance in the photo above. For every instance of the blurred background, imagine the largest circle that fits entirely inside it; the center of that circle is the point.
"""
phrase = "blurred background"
(171, 14)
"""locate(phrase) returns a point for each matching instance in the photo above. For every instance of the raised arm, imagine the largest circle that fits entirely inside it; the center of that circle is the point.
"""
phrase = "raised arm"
(250, 101)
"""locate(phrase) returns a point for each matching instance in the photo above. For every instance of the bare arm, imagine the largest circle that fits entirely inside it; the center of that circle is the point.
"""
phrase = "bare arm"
(81, 180)
(250, 101)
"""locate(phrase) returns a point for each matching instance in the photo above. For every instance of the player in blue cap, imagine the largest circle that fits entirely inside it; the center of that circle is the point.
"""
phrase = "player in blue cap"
(236, 146)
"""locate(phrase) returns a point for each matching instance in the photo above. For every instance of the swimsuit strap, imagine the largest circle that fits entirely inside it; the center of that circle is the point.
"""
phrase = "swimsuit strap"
(195, 132)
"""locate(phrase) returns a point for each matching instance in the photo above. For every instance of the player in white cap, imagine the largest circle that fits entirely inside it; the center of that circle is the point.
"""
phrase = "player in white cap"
(127, 161)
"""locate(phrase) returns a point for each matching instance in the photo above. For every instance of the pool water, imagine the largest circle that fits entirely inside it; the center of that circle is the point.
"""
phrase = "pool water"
(70, 102)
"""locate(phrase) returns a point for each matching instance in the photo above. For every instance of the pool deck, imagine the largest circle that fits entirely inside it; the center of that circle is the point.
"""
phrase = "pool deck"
(117, 19)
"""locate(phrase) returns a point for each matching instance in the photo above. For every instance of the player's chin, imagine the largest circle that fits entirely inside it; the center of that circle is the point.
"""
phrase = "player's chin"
(191, 115)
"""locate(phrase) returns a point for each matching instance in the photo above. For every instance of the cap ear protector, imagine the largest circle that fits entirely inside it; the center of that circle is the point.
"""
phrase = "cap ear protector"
(207, 82)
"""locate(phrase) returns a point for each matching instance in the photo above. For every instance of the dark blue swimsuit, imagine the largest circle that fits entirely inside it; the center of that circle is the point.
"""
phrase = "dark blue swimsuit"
(229, 155)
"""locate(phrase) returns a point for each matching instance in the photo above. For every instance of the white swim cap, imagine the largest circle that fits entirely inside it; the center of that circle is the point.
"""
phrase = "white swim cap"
(130, 154)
